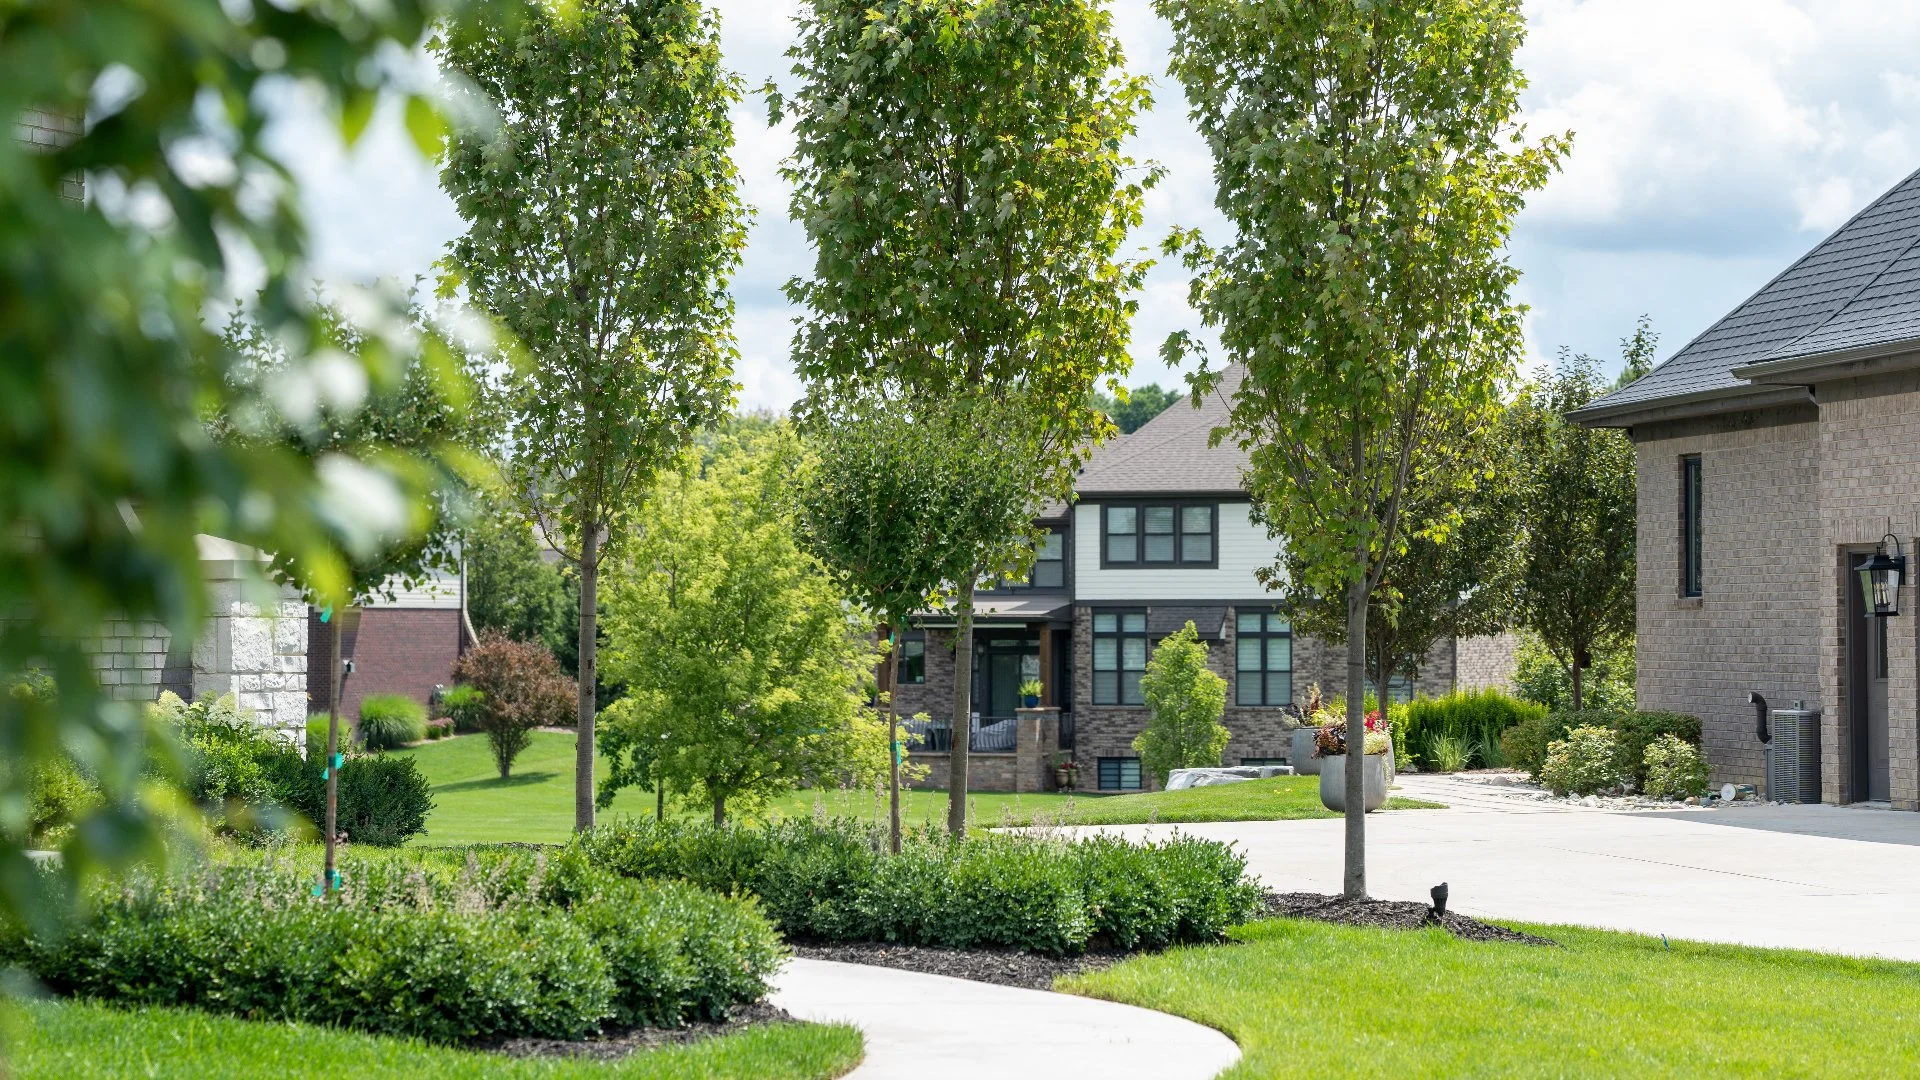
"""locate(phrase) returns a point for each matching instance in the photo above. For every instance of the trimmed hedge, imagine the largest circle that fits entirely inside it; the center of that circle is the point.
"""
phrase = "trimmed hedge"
(1475, 717)
(391, 720)
(833, 881)
(510, 946)
(1526, 744)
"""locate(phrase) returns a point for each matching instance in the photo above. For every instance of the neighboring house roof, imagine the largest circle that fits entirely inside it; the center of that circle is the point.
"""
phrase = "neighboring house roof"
(1171, 454)
(1858, 288)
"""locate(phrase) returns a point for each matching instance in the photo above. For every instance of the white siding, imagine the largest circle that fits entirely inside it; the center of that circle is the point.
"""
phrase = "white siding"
(1244, 547)
(439, 591)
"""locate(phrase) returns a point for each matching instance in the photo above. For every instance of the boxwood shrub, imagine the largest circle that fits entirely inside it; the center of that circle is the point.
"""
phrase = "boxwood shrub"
(834, 881)
(1526, 743)
(510, 945)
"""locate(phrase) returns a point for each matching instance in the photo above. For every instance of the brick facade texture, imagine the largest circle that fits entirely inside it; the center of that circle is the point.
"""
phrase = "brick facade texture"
(395, 651)
(1109, 730)
(1788, 496)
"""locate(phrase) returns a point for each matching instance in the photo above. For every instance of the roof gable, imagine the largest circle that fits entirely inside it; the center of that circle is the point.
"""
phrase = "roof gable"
(1170, 454)
(1855, 288)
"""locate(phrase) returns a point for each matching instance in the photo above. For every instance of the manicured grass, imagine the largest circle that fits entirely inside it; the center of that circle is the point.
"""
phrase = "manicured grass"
(1279, 799)
(474, 806)
(85, 1039)
(1603, 1004)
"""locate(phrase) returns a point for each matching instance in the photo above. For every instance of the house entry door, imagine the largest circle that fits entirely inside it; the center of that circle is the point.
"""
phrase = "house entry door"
(1003, 661)
(1867, 669)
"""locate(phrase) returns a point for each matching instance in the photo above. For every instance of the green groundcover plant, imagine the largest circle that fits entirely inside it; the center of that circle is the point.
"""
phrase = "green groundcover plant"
(492, 945)
(834, 881)
(1525, 744)
(391, 720)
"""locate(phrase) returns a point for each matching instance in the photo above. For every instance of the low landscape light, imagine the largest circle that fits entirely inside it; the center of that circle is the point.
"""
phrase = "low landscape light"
(1880, 578)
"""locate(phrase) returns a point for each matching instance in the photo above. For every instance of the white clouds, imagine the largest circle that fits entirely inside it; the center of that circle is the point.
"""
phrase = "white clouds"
(1715, 140)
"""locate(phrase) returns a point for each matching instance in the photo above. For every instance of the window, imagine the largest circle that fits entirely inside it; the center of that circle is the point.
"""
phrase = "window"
(1049, 568)
(1119, 656)
(913, 657)
(1400, 689)
(1160, 535)
(1690, 529)
(1264, 647)
(1119, 774)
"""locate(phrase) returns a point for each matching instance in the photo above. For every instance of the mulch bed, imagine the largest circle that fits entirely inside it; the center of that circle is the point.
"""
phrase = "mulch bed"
(1007, 968)
(619, 1044)
(1389, 915)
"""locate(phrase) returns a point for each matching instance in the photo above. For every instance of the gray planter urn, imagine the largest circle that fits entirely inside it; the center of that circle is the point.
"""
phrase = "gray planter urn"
(1300, 753)
(1333, 782)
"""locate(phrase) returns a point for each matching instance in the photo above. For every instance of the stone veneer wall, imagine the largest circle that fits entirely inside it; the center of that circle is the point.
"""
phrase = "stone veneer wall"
(1766, 576)
(130, 659)
(46, 132)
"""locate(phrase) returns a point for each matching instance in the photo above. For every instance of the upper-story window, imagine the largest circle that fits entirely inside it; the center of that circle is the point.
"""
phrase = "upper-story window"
(1160, 534)
(1690, 526)
(1049, 566)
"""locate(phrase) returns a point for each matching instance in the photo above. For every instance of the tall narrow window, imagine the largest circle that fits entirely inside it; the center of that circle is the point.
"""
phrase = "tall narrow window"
(1119, 656)
(1123, 534)
(1050, 563)
(1264, 651)
(913, 657)
(1691, 533)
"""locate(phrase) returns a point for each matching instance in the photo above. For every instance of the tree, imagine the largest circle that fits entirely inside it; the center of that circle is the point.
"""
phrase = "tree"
(1638, 350)
(959, 172)
(1452, 586)
(747, 670)
(1367, 156)
(1139, 405)
(890, 503)
(521, 688)
(1576, 579)
(420, 411)
(1185, 701)
(604, 221)
(110, 361)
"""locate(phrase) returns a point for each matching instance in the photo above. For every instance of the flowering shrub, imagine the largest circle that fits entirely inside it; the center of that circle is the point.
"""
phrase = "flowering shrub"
(1332, 739)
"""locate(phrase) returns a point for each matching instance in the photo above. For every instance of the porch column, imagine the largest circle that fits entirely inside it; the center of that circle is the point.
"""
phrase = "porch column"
(1046, 665)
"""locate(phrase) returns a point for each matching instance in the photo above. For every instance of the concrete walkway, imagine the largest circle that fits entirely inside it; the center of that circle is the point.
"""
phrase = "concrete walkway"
(1834, 879)
(930, 1027)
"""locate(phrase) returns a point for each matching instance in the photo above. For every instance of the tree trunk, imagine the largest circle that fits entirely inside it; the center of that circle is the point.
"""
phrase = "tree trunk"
(1356, 853)
(1573, 672)
(719, 809)
(339, 679)
(589, 675)
(659, 796)
(893, 746)
(962, 715)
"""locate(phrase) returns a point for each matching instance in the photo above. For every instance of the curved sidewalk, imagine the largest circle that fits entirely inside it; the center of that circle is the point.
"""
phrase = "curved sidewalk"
(931, 1027)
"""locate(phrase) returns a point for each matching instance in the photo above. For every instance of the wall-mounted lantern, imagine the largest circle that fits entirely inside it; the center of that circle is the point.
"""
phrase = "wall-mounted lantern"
(1880, 579)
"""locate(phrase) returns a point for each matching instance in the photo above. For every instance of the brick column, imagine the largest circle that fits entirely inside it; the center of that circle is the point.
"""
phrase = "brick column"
(1036, 741)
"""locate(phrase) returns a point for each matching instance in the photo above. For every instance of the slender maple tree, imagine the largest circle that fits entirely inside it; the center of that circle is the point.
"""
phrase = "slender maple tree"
(959, 172)
(603, 224)
(1368, 158)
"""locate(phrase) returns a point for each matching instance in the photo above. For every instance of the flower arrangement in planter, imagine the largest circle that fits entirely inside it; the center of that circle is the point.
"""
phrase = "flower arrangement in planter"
(1330, 745)
(1066, 772)
(1030, 693)
(1331, 741)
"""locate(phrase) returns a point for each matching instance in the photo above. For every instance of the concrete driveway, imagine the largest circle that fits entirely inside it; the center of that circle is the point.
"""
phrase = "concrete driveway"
(1834, 879)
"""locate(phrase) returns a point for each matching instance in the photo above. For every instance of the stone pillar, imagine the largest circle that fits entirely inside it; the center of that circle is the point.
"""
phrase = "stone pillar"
(1036, 741)
(253, 647)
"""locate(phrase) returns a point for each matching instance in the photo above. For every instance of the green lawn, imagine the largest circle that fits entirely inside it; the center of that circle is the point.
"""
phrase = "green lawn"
(85, 1039)
(1603, 1005)
(474, 806)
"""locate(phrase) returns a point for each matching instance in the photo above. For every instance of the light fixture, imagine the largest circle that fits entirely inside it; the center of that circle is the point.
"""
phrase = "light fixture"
(1880, 579)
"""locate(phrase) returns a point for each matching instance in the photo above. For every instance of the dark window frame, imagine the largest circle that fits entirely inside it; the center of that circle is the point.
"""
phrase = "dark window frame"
(1065, 560)
(1692, 527)
(913, 637)
(1119, 635)
(1139, 534)
(1118, 766)
(1263, 635)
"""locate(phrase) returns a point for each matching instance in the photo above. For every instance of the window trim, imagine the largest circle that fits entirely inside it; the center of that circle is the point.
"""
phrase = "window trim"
(1139, 508)
(1263, 635)
(1120, 635)
(1692, 526)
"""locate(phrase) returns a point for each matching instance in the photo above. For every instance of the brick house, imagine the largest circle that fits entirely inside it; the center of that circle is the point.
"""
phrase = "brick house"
(1159, 534)
(404, 645)
(1774, 451)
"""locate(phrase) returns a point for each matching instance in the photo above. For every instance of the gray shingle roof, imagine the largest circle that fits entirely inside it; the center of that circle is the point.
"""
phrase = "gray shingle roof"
(1169, 454)
(1858, 287)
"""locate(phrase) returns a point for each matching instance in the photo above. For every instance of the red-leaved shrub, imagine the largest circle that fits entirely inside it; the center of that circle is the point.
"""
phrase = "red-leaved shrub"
(521, 687)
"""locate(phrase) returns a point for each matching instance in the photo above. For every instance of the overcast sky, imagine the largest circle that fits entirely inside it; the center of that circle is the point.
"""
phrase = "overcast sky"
(1714, 142)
